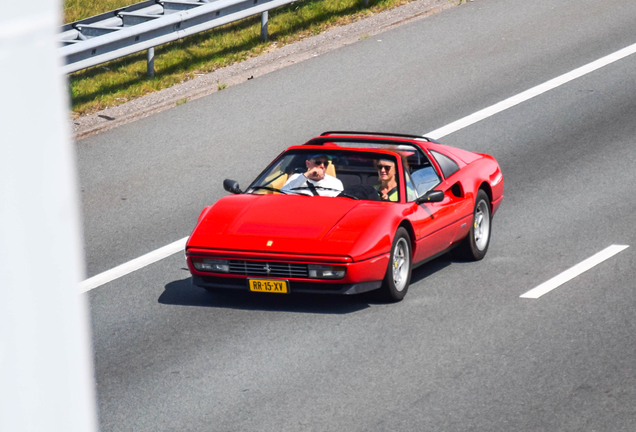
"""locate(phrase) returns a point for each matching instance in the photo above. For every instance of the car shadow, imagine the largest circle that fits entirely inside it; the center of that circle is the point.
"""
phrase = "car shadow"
(432, 267)
(183, 293)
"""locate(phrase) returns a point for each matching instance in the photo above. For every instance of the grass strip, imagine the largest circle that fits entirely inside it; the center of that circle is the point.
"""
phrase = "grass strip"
(122, 80)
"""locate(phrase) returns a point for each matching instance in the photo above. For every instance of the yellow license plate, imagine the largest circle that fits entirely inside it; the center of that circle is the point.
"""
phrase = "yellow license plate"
(268, 285)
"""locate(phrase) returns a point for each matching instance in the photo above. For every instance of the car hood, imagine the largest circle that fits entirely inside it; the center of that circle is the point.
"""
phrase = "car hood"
(288, 224)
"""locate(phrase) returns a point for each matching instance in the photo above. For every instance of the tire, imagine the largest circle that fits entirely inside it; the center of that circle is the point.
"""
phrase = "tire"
(475, 245)
(398, 273)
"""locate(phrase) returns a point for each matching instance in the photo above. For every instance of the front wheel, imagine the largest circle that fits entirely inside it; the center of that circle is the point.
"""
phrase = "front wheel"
(398, 273)
(475, 246)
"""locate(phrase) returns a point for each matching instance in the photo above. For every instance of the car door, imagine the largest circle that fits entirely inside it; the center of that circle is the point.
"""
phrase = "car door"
(461, 199)
(436, 224)
(433, 226)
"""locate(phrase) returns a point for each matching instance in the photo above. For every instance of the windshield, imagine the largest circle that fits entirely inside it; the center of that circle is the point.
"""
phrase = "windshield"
(352, 174)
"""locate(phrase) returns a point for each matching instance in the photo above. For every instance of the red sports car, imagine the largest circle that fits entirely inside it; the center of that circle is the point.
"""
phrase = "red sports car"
(345, 213)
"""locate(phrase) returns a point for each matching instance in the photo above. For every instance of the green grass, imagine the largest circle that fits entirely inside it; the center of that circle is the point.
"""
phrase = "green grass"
(125, 79)
(75, 10)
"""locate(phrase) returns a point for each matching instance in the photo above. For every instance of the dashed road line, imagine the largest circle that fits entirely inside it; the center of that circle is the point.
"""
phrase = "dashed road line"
(573, 272)
(531, 93)
(131, 266)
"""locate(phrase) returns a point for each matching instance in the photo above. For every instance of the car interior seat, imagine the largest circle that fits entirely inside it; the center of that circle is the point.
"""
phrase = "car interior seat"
(331, 170)
(278, 183)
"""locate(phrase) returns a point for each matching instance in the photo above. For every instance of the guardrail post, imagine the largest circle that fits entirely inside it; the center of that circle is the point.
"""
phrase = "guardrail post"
(150, 66)
(264, 34)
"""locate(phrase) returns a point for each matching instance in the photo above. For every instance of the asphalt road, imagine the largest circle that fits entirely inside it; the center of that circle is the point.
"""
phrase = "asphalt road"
(462, 352)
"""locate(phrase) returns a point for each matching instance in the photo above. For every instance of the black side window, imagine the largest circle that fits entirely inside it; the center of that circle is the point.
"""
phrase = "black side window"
(448, 166)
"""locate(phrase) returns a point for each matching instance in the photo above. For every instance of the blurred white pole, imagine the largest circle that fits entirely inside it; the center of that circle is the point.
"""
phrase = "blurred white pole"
(46, 369)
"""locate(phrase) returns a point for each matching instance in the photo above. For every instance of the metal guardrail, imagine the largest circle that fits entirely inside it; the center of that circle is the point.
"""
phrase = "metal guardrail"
(148, 24)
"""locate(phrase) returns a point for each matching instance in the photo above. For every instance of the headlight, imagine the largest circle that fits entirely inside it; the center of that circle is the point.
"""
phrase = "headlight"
(211, 265)
(326, 271)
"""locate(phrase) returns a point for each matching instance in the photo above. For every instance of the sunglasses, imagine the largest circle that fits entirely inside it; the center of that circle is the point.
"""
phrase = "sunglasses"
(384, 167)
(321, 162)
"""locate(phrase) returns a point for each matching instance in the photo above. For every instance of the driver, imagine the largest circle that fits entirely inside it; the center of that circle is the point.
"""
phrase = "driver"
(314, 181)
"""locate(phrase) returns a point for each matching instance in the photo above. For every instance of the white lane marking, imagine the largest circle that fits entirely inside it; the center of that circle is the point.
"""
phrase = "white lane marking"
(529, 94)
(166, 251)
(133, 265)
(573, 272)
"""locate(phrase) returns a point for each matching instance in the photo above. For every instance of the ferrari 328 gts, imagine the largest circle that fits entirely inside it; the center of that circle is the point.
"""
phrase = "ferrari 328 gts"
(345, 213)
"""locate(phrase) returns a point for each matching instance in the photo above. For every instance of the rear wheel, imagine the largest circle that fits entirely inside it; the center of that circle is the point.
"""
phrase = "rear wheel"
(475, 246)
(398, 273)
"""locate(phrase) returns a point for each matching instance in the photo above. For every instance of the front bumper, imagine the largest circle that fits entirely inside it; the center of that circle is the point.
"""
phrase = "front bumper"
(360, 276)
(294, 286)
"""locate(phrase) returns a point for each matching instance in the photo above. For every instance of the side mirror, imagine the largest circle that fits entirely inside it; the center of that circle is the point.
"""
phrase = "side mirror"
(232, 186)
(431, 196)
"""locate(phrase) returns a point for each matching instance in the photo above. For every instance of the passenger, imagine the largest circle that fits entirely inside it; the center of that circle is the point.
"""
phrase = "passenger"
(388, 187)
(314, 181)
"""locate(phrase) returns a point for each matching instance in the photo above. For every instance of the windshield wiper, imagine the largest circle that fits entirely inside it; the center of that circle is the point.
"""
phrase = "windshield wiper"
(268, 188)
(317, 187)
(342, 193)
(346, 195)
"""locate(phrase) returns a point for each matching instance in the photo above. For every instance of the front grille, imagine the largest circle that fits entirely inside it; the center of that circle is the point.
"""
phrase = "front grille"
(263, 268)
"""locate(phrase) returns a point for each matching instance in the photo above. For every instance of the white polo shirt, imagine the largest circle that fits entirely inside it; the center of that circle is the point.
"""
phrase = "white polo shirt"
(328, 186)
